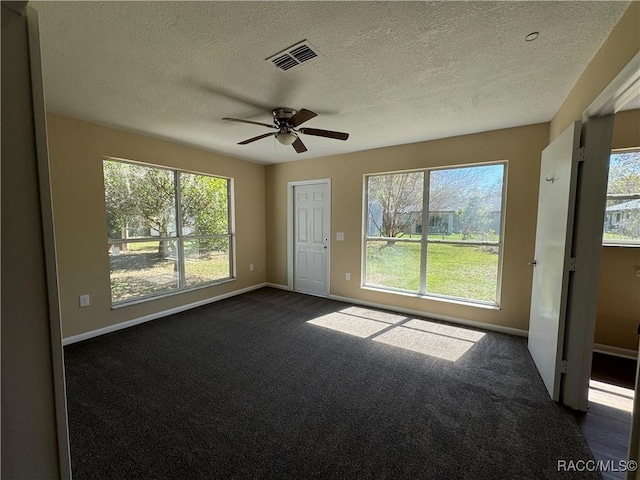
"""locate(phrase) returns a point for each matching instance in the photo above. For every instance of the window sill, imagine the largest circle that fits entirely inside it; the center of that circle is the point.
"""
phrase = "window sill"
(627, 245)
(173, 293)
(456, 301)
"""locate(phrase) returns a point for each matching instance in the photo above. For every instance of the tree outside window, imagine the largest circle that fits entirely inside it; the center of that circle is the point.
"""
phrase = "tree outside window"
(167, 230)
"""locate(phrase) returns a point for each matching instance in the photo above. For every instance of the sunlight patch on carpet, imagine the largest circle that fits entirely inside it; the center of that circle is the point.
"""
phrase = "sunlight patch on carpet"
(445, 330)
(353, 325)
(377, 315)
(432, 344)
(439, 340)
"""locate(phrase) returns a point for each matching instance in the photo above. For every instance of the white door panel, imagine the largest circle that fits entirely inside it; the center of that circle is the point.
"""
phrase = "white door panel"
(554, 230)
(311, 218)
(302, 266)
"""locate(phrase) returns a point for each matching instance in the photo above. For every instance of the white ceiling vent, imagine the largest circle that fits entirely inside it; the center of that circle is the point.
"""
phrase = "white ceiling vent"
(295, 55)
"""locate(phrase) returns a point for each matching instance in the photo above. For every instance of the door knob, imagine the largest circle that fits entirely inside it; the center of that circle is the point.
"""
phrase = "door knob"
(532, 264)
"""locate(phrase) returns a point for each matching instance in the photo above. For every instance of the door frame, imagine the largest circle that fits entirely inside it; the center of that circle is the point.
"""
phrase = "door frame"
(49, 244)
(623, 88)
(586, 248)
(580, 332)
(290, 231)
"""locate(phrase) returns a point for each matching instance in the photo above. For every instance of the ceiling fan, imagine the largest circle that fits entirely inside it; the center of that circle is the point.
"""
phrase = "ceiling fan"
(286, 121)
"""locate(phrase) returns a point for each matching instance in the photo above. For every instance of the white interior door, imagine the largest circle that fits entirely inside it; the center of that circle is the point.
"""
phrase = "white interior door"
(311, 238)
(554, 231)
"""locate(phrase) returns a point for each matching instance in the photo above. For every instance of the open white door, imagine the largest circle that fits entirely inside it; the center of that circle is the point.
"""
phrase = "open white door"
(554, 231)
(311, 206)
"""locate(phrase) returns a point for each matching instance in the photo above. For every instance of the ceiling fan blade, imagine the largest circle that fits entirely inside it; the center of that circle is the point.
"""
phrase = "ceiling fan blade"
(301, 116)
(259, 137)
(324, 133)
(249, 121)
(299, 146)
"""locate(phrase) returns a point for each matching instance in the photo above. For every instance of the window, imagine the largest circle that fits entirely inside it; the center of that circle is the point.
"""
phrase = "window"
(436, 232)
(622, 214)
(167, 230)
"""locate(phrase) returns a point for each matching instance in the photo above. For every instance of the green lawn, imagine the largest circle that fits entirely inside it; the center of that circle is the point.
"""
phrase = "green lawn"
(618, 236)
(463, 271)
(140, 271)
(142, 246)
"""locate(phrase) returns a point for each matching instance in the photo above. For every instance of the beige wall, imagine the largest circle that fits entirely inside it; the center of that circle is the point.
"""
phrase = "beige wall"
(619, 48)
(520, 146)
(618, 300)
(626, 130)
(619, 288)
(76, 152)
(29, 447)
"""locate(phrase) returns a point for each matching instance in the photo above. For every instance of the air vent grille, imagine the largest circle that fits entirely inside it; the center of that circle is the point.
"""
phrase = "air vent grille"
(303, 53)
(293, 56)
(285, 62)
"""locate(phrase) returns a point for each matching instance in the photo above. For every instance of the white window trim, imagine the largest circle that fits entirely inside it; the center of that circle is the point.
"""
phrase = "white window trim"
(617, 242)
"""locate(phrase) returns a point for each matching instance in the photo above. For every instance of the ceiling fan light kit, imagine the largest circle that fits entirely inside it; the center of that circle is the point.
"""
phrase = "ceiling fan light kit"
(286, 138)
(286, 120)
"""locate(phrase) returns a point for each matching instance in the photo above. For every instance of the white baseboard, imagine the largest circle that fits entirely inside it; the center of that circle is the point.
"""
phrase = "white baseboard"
(606, 349)
(460, 321)
(154, 316)
(615, 351)
(446, 318)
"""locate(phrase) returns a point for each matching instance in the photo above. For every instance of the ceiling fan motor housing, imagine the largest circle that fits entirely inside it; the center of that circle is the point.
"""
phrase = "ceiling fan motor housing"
(282, 115)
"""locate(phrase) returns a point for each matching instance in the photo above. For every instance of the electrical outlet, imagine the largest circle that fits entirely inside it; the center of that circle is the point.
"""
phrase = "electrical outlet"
(251, 267)
(347, 276)
(85, 301)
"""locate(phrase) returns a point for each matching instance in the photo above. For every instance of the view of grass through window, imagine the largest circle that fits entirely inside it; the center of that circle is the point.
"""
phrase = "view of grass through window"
(436, 232)
(167, 230)
(622, 214)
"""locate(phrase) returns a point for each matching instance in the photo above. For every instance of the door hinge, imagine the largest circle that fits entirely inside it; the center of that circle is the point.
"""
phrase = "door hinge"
(581, 156)
(572, 264)
(563, 367)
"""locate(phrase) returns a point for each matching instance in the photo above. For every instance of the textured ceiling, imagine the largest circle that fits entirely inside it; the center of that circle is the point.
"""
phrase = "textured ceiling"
(389, 73)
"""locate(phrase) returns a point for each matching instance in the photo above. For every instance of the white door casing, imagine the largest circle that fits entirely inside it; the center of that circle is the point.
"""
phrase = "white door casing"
(554, 232)
(311, 234)
(587, 249)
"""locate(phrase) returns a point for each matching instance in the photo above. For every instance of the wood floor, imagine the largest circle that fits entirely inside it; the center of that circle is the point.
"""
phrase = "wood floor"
(607, 424)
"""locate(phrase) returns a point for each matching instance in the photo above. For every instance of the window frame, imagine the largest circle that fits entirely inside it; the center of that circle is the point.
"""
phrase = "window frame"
(179, 238)
(618, 242)
(425, 242)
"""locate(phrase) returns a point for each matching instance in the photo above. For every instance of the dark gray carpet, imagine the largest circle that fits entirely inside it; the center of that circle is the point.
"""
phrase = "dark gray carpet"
(245, 388)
